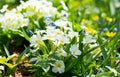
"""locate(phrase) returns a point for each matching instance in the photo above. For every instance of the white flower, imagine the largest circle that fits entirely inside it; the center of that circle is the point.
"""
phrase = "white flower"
(13, 21)
(61, 23)
(58, 32)
(88, 39)
(37, 7)
(1, 67)
(35, 40)
(50, 34)
(61, 52)
(56, 35)
(62, 40)
(4, 8)
(58, 67)
(75, 51)
(24, 22)
(72, 34)
(64, 14)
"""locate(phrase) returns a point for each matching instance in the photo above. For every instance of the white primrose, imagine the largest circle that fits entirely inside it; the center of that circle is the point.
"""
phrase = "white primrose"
(61, 52)
(61, 23)
(88, 39)
(72, 34)
(4, 8)
(35, 40)
(75, 51)
(64, 14)
(13, 21)
(1, 67)
(37, 7)
(61, 40)
(59, 67)
(56, 35)
(49, 35)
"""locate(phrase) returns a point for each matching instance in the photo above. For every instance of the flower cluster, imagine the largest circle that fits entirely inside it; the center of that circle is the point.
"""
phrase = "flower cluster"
(13, 21)
(36, 7)
(57, 32)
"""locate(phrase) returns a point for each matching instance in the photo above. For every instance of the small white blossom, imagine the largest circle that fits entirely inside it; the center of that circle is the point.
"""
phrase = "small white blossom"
(13, 21)
(35, 40)
(72, 34)
(58, 67)
(64, 14)
(61, 52)
(75, 51)
(4, 8)
(62, 40)
(61, 23)
(50, 34)
(58, 33)
(1, 67)
(37, 7)
(88, 39)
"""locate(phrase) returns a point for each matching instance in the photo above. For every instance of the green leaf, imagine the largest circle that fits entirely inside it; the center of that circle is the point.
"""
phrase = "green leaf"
(46, 67)
(22, 54)
(105, 74)
(25, 35)
(77, 27)
(91, 50)
(6, 50)
(104, 52)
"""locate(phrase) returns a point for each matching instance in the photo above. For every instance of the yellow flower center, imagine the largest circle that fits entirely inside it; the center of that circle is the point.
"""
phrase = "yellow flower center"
(58, 33)
(37, 41)
(60, 51)
(73, 52)
(58, 65)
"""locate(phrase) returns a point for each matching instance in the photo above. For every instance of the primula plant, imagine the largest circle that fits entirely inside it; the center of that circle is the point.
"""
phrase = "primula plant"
(60, 38)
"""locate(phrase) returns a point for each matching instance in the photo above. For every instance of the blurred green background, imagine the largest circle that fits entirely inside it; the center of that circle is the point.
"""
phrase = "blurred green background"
(11, 3)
